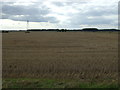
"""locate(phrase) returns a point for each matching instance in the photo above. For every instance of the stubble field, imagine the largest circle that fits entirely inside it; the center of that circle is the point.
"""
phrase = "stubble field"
(80, 56)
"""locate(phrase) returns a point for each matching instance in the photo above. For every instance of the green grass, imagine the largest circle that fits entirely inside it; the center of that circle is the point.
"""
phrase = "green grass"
(53, 83)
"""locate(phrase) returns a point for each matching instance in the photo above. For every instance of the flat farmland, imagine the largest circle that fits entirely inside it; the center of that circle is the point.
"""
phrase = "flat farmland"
(80, 56)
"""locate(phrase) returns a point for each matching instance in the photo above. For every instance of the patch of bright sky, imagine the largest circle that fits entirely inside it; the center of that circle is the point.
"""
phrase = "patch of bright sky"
(22, 25)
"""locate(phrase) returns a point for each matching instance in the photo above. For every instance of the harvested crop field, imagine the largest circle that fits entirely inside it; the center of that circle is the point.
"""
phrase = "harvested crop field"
(83, 56)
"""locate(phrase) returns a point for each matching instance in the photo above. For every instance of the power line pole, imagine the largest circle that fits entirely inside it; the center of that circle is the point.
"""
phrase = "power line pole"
(27, 24)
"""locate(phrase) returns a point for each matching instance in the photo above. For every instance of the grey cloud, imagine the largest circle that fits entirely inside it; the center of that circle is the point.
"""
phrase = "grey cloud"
(81, 17)
(12, 10)
(69, 3)
(20, 10)
(35, 18)
(59, 4)
(84, 20)
(33, 12)
(101, 10)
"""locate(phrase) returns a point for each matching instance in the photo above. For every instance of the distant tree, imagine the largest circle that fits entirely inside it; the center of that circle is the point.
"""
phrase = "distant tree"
(90, 29)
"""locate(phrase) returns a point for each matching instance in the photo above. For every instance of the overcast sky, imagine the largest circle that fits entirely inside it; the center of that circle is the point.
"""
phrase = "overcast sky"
(58, 13)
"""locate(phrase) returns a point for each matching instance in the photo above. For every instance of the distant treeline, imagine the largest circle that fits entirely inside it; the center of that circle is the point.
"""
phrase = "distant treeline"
(60, 30)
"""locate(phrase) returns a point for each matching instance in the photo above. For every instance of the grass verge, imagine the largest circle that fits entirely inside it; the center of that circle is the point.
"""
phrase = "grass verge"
(53, 83)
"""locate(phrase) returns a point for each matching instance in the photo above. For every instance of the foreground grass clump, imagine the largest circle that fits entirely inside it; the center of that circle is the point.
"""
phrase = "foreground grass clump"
(54, 83)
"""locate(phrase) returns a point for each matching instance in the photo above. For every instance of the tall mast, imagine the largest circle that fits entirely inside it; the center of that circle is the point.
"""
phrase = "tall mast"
(27, 24)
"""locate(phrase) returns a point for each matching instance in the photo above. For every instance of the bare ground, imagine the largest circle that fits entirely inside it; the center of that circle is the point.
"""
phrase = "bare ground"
(73, 55)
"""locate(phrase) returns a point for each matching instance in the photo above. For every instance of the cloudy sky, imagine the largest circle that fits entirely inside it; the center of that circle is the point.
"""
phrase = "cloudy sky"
(70, 14)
